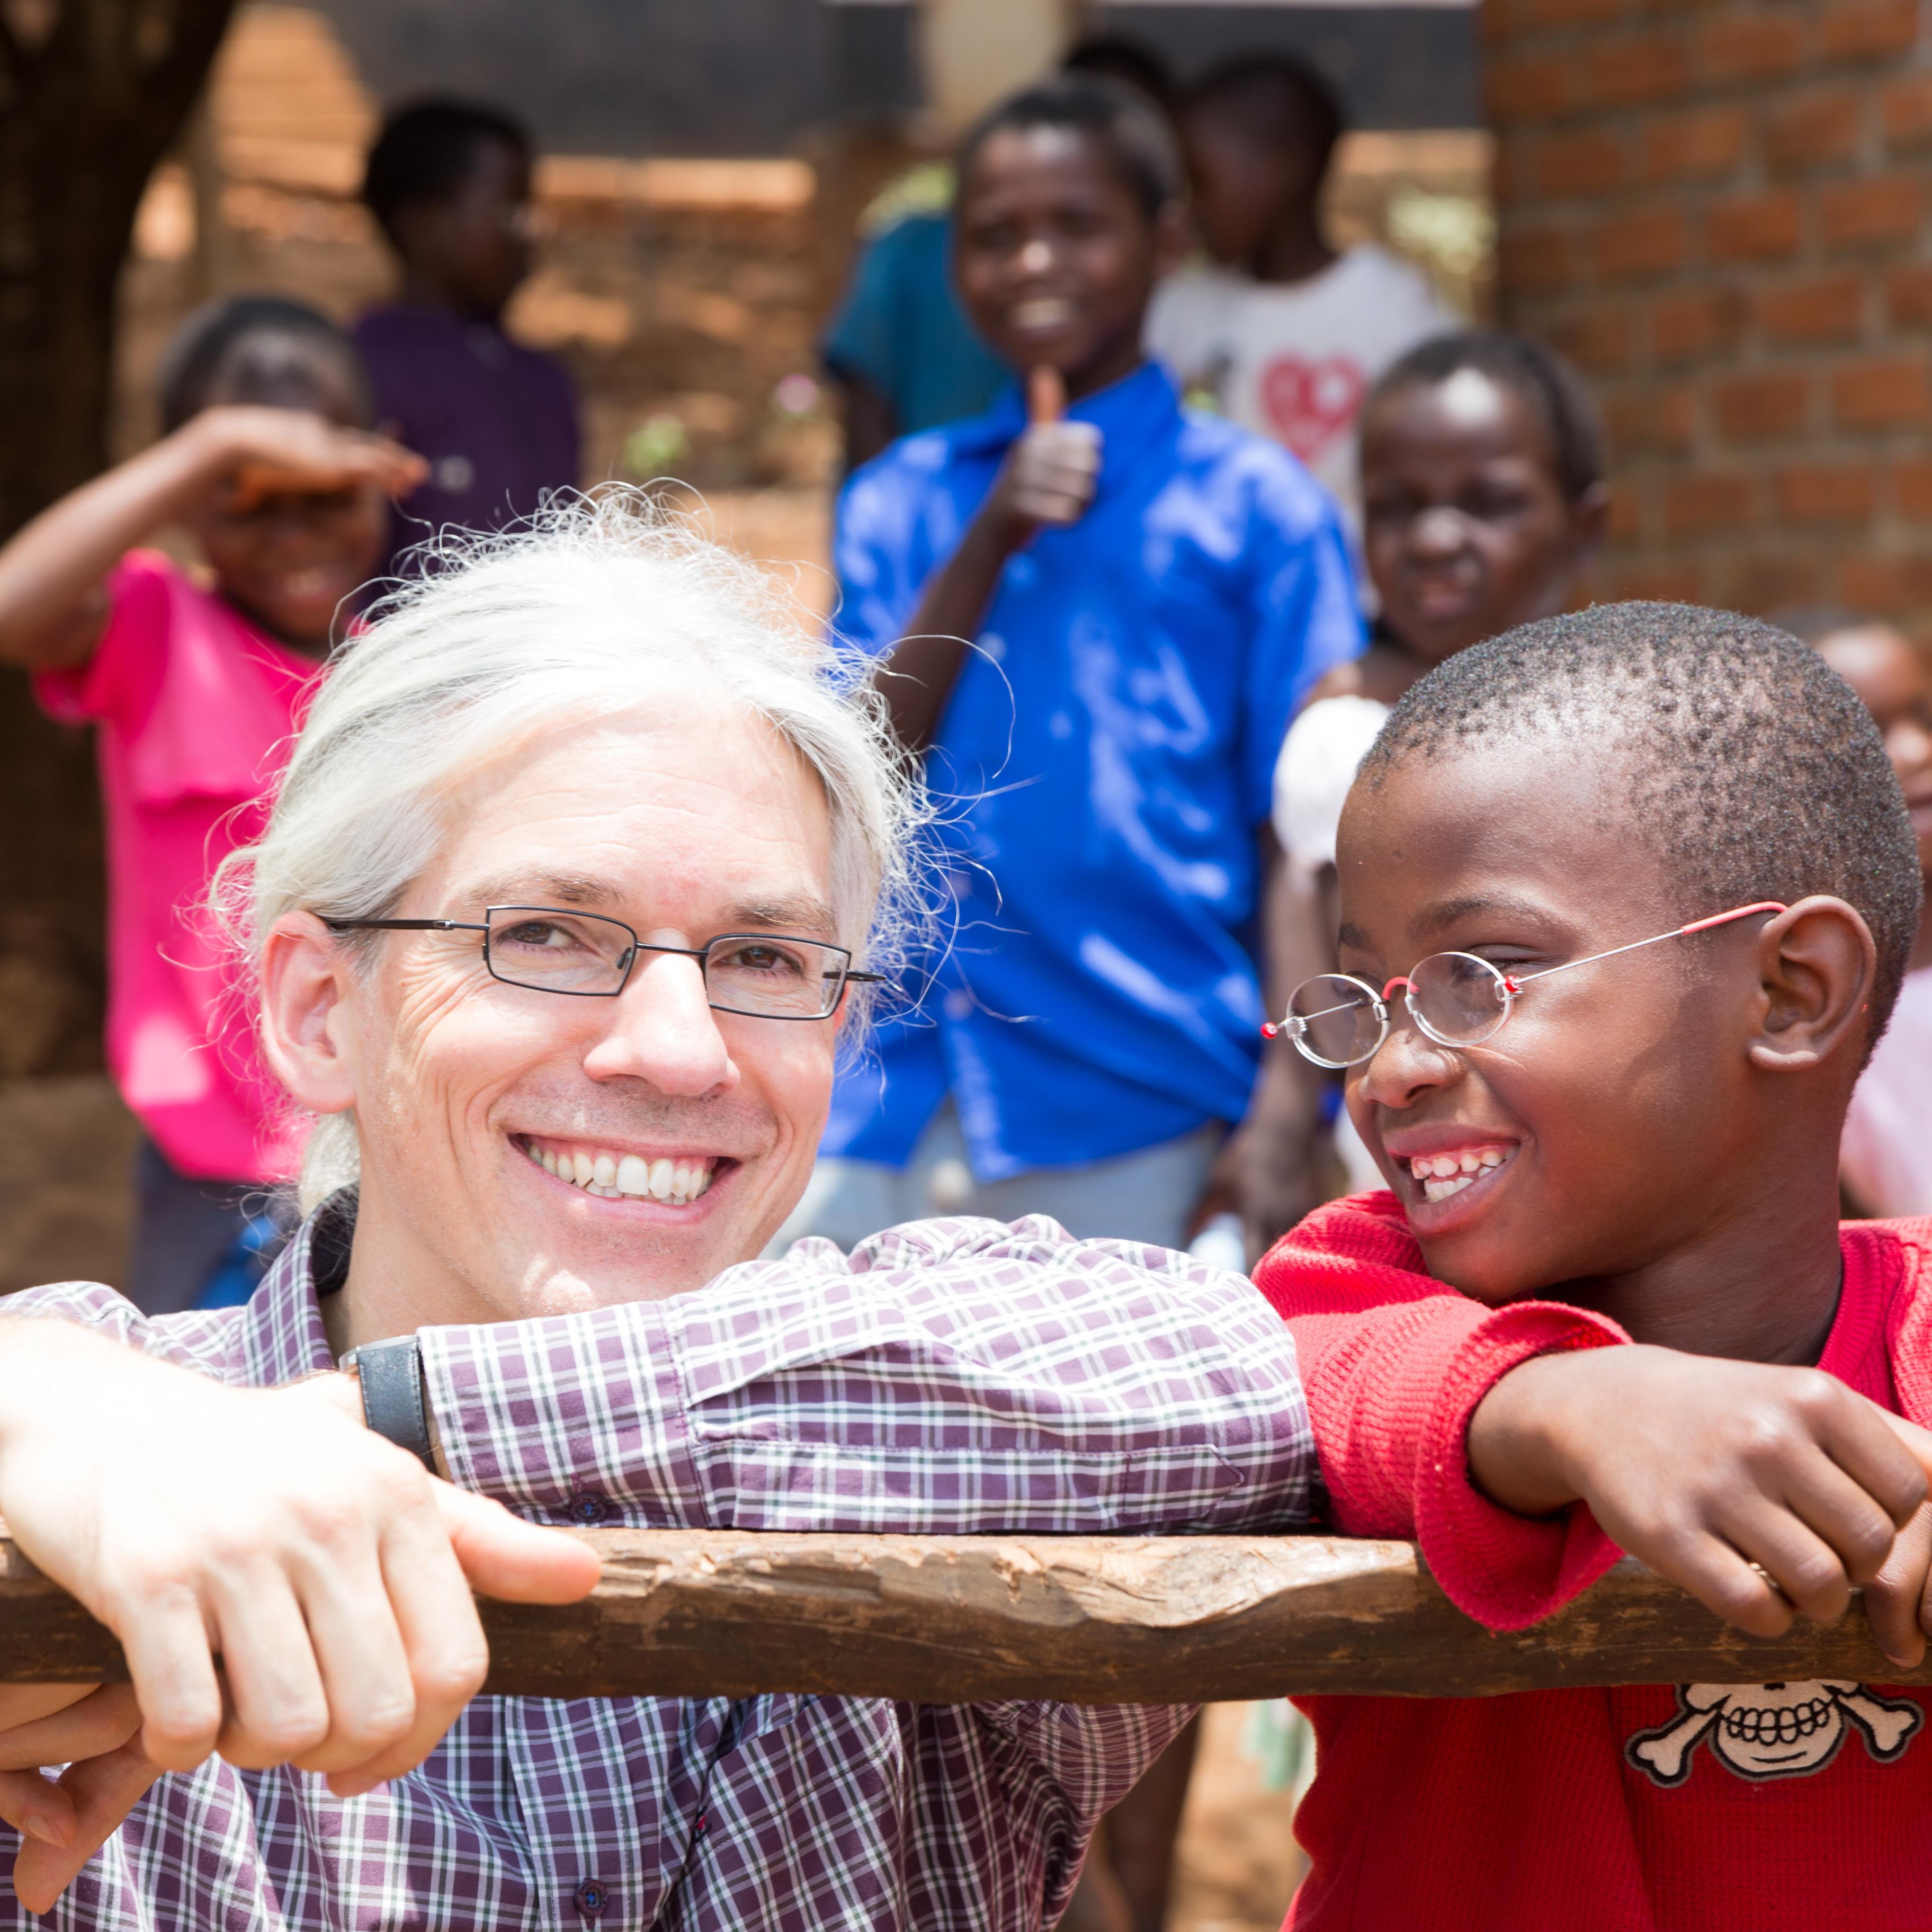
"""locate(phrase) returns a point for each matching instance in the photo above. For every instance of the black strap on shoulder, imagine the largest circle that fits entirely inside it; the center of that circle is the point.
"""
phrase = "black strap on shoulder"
(391, 1374)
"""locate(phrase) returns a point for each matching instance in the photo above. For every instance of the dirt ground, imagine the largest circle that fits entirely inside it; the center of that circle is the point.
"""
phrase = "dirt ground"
(1237, 1863)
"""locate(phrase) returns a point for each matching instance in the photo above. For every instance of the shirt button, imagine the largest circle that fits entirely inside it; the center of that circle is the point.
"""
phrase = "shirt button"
(592, 1897)
(587, 1509)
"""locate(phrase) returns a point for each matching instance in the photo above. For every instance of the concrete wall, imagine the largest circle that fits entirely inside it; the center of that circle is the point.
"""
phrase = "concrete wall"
(1720, 209)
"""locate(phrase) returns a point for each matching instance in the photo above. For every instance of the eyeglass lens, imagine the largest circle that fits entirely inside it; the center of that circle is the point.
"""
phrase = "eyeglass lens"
(1457, 999)
(555, 951)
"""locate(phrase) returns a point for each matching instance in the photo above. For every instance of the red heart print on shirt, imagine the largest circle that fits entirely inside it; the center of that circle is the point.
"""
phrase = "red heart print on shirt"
(1310, 403)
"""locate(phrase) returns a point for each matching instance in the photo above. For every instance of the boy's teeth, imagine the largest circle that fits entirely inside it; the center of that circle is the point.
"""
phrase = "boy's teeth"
(1443, 1174)
(615, 1176)
(1441, 1190)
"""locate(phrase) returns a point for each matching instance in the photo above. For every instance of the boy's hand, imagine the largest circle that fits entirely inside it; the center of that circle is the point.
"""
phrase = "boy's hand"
(1050, 473)
(254, 453)
(1703, 1468)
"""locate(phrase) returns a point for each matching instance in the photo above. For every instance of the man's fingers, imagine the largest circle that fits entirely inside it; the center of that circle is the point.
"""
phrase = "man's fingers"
(277, 1708)
(102, 1721)
(364, 1678)
(37, 1808)
(520, 1562)
(101, 1791)
(170, 1661)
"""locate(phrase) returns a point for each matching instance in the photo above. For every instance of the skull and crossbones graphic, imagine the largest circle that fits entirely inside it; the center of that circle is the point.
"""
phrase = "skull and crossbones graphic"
(1772, 1730)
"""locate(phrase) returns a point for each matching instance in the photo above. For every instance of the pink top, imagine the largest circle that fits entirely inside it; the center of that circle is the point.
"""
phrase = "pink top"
(1885, 1155)
(196, 708)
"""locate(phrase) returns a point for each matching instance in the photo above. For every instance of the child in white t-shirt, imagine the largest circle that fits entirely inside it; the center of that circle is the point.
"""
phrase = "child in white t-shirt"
(1286, 334)
(1482, 501)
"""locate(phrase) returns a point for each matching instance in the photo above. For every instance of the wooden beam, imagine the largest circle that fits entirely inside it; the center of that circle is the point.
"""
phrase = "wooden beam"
(1093, 1620)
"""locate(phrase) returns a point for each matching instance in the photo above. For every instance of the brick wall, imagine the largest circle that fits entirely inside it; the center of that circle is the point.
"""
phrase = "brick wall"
(1723, 210)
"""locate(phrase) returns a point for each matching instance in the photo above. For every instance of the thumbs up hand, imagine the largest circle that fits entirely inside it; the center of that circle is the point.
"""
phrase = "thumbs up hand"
(1052, 472)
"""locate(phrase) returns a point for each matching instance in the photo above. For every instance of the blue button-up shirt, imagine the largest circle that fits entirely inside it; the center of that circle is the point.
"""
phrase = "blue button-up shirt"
(1103, 765)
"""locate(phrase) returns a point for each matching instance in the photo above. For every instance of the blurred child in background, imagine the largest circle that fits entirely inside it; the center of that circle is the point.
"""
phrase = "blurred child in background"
(1483, 501)
(449, 183)
(193, 682)
(1287, 334)
(900, 348)
(1885, 1157)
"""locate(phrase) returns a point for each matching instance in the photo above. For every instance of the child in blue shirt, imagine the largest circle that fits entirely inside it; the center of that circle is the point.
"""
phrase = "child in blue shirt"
(1151, 594)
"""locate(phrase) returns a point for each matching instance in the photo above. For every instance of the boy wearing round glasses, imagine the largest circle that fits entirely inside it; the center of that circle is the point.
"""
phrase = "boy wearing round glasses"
(1608, 1304)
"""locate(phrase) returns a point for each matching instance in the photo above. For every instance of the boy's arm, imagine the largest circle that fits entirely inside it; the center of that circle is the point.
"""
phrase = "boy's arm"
(52, 611)
(1049, 478)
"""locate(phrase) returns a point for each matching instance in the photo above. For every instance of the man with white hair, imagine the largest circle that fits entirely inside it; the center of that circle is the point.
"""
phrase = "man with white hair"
(555, 924)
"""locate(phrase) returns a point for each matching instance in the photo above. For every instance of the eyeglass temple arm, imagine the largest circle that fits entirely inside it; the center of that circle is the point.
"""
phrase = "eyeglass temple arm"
(1513, 982)
(401, 926)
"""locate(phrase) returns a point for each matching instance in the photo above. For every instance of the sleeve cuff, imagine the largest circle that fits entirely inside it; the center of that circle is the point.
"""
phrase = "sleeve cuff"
(1505, 1570)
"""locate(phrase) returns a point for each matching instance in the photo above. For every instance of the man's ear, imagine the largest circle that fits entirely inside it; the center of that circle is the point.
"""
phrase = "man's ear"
(1817, 965)
(308, 1029)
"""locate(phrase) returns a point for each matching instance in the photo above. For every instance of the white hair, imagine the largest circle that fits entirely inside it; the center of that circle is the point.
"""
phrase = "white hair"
(572, 617)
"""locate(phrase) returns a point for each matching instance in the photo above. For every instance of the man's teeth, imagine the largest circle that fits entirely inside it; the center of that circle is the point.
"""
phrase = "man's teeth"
(1443, 1174)
(615, 1176)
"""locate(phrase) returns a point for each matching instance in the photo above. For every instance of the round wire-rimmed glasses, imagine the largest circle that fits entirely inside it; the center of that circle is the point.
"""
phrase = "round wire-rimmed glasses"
(1457, 999)
(584, 955)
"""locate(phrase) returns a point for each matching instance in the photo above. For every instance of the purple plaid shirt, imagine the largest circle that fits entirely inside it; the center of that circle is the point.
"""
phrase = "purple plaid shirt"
(951, 1376)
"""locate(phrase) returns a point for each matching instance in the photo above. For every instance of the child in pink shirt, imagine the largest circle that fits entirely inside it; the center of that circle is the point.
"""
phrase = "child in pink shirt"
(193, 680)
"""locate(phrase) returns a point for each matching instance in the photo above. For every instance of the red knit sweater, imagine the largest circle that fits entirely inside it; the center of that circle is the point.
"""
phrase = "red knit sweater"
(1699, 1806)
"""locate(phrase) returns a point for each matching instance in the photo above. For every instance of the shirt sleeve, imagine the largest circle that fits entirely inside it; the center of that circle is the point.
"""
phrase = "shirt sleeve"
(949, 1378)
(1305, 620)
(1391, 1392)
(862, 339)
(119, 678)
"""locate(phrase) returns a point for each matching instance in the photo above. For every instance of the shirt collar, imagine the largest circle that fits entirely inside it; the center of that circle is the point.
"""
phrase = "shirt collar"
(282, 1338)
(1147, 395)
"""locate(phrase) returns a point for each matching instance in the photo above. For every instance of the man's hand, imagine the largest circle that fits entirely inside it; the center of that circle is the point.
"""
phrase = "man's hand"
(256, 453)
(1703, 1468)
(328, 1570)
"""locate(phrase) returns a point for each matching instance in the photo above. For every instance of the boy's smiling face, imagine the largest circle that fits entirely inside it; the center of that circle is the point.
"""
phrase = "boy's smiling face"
(1618, 1116)
(1055, 256)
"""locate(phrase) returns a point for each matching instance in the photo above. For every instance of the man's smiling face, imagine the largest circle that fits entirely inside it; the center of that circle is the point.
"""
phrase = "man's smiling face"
(1608, 1119)
(474, 1100)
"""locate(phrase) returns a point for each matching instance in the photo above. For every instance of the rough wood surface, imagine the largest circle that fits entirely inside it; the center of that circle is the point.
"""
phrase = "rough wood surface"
(1090, 1619)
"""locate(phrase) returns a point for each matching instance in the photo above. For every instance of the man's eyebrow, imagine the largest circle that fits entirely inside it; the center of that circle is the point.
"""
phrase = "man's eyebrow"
(803, 913)
(559, 888)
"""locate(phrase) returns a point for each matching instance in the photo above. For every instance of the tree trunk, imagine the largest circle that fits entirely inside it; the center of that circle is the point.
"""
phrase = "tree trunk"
(91, 94)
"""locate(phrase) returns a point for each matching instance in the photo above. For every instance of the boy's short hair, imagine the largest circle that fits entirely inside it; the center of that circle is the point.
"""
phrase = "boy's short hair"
(1752, 766)
(1123, 121)
(1544, 380)
(1119, 57)
(426, 150)
(244, 343)
(1273, 100)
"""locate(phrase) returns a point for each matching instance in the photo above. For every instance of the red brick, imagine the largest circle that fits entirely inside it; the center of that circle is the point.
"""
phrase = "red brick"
(1535, 259)
(1660, 420)
(1758, 584)
(1658, 583)
(1532, 87)
(1840, 494)
(1908, 297)
(1889, 585)
(1651, 242)
(1683, 327)
(1755, 228)
(1696, 146)
(1592, 162)
(1704, 505)
(1886, 392)
(1637, 71)
(1597, 339)
(1906, 107)
(1625, 521)
(1877, 213)
(1867, 29)
(1757, 44)
(1827, 309)
(1814, 128)
(1911, 491)
(1750, 409)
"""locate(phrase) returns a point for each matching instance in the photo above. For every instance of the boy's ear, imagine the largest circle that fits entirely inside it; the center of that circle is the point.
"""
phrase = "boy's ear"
(1173, 238)
(1589, 518)
(1817, 964)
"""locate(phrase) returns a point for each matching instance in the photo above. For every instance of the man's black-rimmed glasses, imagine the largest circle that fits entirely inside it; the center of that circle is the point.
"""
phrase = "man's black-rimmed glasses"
(550, 950)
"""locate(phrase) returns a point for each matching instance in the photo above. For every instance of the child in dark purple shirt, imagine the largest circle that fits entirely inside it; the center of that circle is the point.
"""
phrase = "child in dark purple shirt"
(450, 184)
